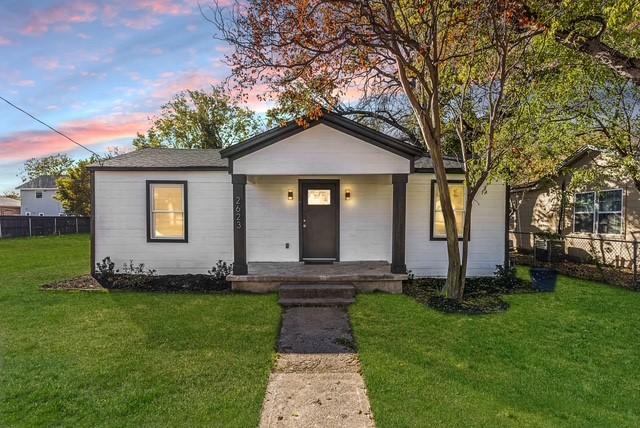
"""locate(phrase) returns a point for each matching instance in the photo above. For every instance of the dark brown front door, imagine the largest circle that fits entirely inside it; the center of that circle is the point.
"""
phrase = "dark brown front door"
(319, 219)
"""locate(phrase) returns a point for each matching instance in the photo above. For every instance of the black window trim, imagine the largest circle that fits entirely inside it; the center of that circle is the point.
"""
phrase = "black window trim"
(185, 202)
(433, 209)
(39, 192)
(596, 212)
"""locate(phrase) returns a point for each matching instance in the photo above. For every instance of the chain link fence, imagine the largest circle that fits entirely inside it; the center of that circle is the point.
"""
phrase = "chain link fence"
(21, 226)
(614, 261)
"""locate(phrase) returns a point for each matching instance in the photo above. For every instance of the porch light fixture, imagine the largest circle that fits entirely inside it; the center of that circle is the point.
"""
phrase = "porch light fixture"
(290, 195)
(347, 194)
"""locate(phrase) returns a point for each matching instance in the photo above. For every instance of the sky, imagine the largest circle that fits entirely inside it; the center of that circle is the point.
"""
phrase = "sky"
(96, 70)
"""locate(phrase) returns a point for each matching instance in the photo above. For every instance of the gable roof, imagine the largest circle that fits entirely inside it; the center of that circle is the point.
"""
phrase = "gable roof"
(332, 120)
(9, 202)
(579, 154)
(219, 159)
(42, 182)
(166, 159)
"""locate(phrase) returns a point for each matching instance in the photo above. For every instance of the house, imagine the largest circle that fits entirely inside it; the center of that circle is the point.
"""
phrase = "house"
(595, 221)
(37, 197)
(333, 192)
(9, 206)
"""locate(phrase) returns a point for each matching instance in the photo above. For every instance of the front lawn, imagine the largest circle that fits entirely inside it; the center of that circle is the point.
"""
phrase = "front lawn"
(571, 358)
(124, 359)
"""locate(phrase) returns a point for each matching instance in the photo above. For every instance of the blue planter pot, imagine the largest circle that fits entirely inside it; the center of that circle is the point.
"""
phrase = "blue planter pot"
(544, 279)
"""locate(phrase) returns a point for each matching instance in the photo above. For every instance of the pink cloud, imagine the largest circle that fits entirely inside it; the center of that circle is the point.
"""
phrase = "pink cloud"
(169, 83)
(24, 145)
(46, 64)
(166, 7)
(141, 23)
(24, 82)
(61, 16)
(4, 41)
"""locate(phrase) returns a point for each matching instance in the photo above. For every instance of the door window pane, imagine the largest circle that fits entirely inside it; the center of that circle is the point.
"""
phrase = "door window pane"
(319, 197)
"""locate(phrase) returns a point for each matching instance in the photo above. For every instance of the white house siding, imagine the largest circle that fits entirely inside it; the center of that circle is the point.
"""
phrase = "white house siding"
(121, 221)
(365, 220)
(321, 150)
(272, 221)
(486, 249)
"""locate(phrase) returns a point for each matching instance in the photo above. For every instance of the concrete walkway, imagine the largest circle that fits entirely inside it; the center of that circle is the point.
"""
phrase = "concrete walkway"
(316, 381)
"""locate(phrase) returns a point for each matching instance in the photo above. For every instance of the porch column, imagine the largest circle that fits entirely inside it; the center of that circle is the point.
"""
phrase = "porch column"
(398, 264)
(239, 182)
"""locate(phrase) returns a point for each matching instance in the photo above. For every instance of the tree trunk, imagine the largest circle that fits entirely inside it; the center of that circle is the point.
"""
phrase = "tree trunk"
(454, 286)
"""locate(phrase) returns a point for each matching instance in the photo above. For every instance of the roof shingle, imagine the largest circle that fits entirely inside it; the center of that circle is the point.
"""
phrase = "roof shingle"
(162, 158)
(42, 182)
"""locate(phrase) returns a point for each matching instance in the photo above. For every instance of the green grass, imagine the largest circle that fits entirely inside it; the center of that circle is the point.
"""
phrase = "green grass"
(571, 358)
(124, 359)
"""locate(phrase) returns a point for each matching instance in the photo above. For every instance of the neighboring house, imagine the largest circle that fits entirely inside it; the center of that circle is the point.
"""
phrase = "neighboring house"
(9, 206)
(37, 197)
(585, 218)
(334, 191)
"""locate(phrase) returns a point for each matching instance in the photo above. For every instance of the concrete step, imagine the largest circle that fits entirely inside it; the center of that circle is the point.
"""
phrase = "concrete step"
(317, 291)
(289, 302)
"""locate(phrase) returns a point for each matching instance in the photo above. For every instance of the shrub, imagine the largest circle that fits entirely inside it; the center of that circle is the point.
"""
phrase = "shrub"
(135, 277)
(221, 270)
(506, 278)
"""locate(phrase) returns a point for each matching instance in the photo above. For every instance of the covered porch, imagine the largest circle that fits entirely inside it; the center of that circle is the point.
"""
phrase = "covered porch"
(365, 276)
(333, 193)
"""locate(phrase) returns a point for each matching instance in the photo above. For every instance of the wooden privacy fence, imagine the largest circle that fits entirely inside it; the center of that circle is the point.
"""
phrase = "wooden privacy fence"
(17, 226)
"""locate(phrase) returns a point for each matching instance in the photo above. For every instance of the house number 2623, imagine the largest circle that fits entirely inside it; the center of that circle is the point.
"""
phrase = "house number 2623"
(237, 212)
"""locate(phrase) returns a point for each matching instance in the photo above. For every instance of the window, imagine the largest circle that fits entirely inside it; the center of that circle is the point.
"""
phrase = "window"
(319, 197)
(584, 212)
(167, 211)
(456, 190)
(38, 195)
(599, 212)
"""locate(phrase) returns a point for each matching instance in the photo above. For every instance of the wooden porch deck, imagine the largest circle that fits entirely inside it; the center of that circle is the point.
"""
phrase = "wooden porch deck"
(366, 276)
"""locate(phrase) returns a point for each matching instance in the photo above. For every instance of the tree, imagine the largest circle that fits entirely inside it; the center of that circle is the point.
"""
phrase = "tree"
(584, 103)
(55, 165)
(74, 189)
(606, 31)
(199, 119)
(411, 49)
(11, 194)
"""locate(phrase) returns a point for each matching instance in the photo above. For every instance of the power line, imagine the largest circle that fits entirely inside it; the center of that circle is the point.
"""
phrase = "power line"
(49, 126)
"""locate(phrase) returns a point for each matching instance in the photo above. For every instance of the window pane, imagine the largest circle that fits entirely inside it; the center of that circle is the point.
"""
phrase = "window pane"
(610, 223)
(610, 200)
(460, 222)
(438, 225)
(583, 223)
(584, 202)
(457, 196)
(167, 197)
(319, 197)
(168, 225)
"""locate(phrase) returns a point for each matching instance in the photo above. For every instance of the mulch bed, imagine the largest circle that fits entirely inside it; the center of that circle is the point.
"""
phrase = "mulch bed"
(80, 283)
(165, 283)
(481, 296)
